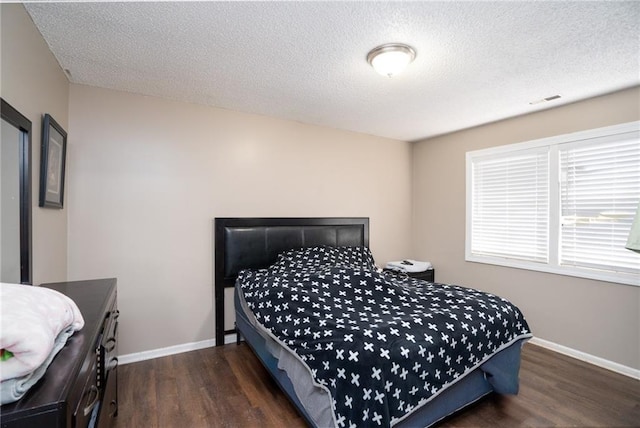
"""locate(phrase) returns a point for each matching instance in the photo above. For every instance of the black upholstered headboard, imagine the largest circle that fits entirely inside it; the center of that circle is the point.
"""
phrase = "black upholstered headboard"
(248, 242)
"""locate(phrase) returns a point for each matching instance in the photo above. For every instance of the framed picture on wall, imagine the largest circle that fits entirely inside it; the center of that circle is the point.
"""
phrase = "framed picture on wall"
(52, 163)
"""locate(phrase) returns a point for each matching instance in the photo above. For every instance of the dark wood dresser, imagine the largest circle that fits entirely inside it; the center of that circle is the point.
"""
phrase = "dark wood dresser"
(79, 389)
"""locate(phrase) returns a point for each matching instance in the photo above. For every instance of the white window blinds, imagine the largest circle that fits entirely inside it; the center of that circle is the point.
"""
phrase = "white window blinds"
(599, 194)
(510, 213)
(563, 204)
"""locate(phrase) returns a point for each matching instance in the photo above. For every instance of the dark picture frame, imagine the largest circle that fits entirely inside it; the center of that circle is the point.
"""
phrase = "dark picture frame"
(52, 163)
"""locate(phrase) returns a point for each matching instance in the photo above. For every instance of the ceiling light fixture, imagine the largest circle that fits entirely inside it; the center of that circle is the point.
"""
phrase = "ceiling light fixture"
(391, 59)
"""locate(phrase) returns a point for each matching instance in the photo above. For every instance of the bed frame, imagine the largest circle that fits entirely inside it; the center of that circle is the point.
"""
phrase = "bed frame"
(248, 242)
(255, 243)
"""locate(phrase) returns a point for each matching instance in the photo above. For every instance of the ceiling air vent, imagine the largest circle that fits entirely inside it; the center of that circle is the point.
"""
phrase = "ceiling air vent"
(544, 100)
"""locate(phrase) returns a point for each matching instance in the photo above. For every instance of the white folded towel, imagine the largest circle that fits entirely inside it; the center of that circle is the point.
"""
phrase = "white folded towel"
(31, 318)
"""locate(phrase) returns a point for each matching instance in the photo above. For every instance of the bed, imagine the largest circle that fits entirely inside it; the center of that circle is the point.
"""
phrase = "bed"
(373, 361)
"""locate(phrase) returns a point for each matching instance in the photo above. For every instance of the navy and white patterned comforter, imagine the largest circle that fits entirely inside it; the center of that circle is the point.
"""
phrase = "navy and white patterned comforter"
(380, 343)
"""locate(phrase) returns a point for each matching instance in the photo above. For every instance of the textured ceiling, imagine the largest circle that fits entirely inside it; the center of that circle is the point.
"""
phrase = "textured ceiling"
(477, 62)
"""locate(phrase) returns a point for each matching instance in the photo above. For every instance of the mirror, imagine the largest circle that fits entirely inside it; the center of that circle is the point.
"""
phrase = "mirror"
(15, 196)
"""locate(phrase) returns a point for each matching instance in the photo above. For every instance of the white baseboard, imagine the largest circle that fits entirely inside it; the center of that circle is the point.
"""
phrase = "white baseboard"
(163, 352)
(591, 359)
(231, 338)
(171, 350)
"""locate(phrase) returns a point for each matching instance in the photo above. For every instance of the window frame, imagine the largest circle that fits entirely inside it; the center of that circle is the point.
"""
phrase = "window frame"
(553, 265)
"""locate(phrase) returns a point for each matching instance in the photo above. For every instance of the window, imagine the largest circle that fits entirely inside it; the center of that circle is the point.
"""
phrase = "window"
(563, 204)
(511, 206)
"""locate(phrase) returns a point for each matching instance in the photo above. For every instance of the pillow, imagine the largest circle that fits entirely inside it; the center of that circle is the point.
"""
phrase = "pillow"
(307, 260)
(356, 257)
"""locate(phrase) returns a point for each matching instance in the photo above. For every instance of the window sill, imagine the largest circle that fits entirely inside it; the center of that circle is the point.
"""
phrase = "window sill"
(615, 277)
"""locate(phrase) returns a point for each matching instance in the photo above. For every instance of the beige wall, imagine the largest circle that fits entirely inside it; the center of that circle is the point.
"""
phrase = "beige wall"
(595, 317)
(147, 176)
(32, 82)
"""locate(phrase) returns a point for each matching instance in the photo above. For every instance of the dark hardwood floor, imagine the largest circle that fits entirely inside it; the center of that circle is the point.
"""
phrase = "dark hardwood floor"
(227, 387)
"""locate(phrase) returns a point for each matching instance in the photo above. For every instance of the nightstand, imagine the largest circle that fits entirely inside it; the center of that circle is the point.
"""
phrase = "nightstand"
(427, 275)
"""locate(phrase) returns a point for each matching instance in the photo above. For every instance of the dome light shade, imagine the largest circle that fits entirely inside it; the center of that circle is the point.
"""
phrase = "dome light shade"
(391, 59)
